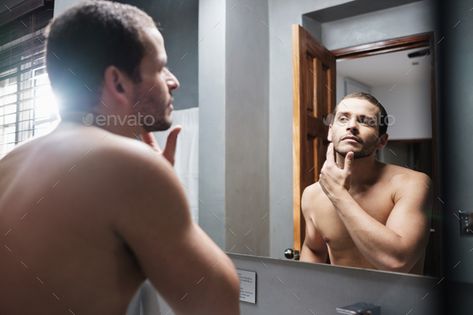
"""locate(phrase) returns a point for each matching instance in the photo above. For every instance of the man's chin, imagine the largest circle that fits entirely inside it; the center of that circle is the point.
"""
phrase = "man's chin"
(158, 126)
(358, 154)
(361, 155)
(344, 149)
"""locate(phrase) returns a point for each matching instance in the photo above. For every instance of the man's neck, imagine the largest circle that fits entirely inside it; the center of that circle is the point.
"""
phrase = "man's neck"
(363, 170)
(113, 124)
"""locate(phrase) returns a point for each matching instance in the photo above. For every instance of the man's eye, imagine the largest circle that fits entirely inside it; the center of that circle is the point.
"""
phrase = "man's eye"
(368, 122)
(342, 118)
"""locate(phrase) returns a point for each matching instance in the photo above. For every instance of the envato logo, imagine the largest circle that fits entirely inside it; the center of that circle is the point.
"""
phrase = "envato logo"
(388, 120)
(102, 120)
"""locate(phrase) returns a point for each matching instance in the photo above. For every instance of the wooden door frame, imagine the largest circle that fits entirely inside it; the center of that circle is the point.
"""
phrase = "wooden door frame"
(309, 123)
(385, 46)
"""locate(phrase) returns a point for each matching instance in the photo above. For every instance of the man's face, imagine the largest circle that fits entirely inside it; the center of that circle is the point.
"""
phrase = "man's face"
(153, 97)
(355, 128)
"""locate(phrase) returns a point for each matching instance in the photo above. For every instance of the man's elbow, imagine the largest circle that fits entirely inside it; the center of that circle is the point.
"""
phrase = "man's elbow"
(398, 266)
(233, 284)
(401, 263)
(228, 289)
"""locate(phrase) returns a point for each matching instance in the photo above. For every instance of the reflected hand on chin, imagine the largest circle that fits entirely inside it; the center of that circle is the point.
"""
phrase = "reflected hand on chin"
(333, 180)
(170, 147)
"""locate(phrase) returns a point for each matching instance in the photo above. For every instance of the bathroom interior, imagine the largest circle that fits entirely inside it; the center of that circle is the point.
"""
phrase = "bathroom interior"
(234, 61)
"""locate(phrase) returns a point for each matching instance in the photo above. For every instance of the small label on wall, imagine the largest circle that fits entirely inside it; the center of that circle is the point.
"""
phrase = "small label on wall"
(247, 286)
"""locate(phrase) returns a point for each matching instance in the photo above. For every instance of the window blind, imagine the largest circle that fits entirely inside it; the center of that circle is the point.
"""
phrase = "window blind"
(27, 105)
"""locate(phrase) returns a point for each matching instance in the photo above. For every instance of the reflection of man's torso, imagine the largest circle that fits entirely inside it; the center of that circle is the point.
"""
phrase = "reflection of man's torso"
(377, 200)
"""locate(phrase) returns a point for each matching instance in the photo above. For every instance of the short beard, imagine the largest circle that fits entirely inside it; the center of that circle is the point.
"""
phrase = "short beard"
(159, 125)
(358, 155)
(362, 154)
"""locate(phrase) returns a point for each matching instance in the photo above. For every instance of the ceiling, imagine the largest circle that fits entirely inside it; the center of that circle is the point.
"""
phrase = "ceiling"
(387, 69)
(352, 8)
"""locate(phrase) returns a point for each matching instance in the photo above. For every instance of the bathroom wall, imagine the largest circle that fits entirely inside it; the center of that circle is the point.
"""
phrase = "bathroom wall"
(286, 287)
(412, 18)
(456, 130)
(62, 5)
(409, 105)
(247, 132)
(234, 124)
(350, 85)
(212, 74)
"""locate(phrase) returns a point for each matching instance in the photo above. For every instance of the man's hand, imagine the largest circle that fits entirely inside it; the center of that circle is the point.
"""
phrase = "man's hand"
(170, 147)
(334, 179)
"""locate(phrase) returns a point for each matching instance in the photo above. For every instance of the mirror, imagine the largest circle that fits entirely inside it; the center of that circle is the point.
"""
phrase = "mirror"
(234, 62)
(244, 102)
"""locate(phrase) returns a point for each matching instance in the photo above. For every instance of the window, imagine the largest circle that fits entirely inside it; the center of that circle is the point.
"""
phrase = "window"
(27, 105)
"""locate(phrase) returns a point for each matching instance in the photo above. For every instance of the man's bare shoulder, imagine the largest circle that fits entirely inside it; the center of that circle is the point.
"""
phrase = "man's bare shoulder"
(312, 190)
(399, 175)
(123, 177)
(73, 142)
(105, 150)
(98, 162)
(406, 181)
(125, 163)
(131, 152)
(312, 195)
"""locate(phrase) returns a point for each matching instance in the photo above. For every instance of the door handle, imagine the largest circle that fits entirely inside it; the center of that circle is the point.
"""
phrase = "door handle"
(290, 253)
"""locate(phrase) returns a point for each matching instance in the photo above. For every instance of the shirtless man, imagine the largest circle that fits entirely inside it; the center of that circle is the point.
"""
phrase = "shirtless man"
(87, 213)
(361, 212)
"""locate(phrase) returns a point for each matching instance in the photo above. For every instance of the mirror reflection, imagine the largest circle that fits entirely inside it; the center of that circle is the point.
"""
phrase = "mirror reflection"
(371, 204)
(362, 211)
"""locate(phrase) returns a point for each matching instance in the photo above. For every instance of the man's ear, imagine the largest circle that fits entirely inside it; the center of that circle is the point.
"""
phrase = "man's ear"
(118, 86)
(382, 141)
(329, 134)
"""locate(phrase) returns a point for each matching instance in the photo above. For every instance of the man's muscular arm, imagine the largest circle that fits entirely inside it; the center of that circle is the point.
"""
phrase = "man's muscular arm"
(186, 267)
(314, 249)
(399, 244)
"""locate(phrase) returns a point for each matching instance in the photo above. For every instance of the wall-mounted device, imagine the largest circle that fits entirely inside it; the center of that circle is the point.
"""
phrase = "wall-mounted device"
(466, 223)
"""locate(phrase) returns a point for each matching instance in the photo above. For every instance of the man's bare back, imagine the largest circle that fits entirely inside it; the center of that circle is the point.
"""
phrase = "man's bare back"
(83, 226)
(58, 206)
(377, 200)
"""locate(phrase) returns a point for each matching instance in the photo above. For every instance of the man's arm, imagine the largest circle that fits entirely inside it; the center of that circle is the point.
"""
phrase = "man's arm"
(314, 249)
(186, 267)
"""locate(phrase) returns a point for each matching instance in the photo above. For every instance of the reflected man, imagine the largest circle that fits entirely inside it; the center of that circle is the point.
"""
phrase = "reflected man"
(361, 212)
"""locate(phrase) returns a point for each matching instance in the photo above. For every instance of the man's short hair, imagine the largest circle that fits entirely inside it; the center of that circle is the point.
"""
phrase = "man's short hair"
(383, 119)
(84, 41)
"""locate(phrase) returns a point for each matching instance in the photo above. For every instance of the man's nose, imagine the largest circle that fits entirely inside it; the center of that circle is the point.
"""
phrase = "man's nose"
(172, 81)
(352, 125)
